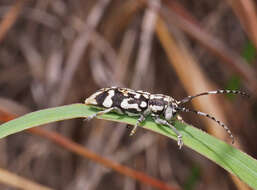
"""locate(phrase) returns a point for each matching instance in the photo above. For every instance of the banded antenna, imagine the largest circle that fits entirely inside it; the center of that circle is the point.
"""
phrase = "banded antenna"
(210, 117)
(189, 98)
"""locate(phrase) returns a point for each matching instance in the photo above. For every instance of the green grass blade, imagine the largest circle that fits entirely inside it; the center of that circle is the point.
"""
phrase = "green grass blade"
(228, 157)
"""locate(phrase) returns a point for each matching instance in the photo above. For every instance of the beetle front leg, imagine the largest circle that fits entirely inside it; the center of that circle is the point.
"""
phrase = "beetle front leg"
(164, 122)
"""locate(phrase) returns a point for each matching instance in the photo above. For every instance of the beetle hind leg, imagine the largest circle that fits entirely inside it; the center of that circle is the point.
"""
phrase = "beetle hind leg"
(88, 118)
(164, 122)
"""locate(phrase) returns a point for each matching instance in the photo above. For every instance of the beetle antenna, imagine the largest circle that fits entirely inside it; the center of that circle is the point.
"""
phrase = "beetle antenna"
(183, 109)
(189, 98)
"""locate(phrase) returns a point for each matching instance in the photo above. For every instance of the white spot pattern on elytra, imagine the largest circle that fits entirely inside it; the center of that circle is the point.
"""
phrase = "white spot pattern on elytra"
(108, 100)
(137, 96)
(143, 104)
(91, 100)
(126, 105)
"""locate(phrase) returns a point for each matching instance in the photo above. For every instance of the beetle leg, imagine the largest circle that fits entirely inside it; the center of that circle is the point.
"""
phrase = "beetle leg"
(164, 122)
(88, 118)
(139, 121)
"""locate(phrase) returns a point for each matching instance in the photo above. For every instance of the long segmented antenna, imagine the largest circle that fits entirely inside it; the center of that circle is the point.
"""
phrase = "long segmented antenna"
(210, 117)
(189, 98)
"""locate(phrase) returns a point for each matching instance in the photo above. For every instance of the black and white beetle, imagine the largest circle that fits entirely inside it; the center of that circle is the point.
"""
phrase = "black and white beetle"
(163, 109)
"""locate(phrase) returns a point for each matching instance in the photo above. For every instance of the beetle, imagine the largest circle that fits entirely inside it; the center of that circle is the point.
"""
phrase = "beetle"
(162, 108)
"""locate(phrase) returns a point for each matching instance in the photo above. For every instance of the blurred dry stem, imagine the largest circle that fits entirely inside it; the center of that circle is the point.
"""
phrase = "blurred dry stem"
(80, 150)
(237, 63)
(125, 53)
(78, 48)
(15, 181)
(146, 38)
(246, 13)
(122, 16)
(10, 18)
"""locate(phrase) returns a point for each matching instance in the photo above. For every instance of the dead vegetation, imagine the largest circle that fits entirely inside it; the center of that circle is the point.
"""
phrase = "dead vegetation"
(59, 52)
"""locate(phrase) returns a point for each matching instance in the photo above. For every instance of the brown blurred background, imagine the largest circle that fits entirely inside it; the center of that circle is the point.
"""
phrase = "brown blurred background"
(58, 52)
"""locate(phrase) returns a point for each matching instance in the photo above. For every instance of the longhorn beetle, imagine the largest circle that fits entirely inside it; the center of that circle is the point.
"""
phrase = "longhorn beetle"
(163, 109)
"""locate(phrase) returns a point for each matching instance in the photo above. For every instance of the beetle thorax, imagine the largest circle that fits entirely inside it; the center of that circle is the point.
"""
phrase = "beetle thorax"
(170, 111)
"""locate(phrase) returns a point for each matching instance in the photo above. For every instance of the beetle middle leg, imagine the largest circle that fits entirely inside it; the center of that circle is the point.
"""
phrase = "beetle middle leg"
(139, 121)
